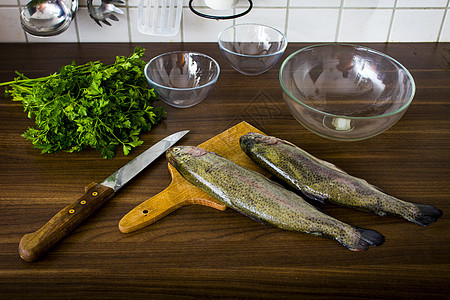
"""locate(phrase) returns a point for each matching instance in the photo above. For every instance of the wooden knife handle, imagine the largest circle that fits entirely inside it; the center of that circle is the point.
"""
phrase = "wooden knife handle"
(33, 245)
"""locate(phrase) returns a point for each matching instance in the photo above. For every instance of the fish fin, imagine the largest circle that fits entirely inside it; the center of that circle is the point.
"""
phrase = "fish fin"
(375, 187)
(318, 198)
(428, 214)
(255, 133)
(372, 237)
(248, 214)
(305, 195)
(287, 143)
(368, 238)
(330, 165)
(277, 181)
(320, 161)
(259, 220)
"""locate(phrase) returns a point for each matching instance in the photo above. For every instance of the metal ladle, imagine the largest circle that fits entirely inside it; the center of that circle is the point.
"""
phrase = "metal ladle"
(48, 17)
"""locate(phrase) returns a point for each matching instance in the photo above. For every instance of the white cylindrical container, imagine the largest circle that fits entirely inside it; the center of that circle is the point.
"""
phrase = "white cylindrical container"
(221, 4)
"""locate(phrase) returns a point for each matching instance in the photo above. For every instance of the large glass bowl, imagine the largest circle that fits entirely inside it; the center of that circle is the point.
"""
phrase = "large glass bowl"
(252, 49)
(345, 92)
(182, 78)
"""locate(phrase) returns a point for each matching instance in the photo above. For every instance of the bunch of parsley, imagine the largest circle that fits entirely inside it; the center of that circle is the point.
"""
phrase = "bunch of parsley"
(91, 105)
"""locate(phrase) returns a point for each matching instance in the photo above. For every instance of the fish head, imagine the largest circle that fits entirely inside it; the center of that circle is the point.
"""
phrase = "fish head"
(182, 154)
(252, 139)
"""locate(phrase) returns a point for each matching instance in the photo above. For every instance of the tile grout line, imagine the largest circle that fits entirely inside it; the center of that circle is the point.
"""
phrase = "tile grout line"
(130, 37)
(182, 27)
(442, 22)
(391, 24)
(19, 7)
(77, 30)
(339, 21)
(286, 19)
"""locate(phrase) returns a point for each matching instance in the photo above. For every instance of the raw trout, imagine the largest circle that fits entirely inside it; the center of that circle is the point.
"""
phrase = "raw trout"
(323, 181)
(257, 197)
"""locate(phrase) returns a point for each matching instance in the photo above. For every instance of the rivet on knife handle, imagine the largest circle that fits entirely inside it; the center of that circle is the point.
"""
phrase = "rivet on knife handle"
(33, 245)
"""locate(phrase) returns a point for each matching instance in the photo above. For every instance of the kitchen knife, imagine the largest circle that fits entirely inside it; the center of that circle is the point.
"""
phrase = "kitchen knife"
(33, 245)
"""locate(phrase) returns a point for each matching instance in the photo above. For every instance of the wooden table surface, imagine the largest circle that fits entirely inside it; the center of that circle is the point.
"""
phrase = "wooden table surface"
(201, 252)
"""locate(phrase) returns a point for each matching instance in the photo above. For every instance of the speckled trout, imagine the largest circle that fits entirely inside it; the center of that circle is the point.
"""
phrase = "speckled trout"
(259, 198)
(323, 181)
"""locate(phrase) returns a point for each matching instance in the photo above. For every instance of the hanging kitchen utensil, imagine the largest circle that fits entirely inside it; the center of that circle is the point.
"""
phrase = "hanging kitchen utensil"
(44, 18)
(159, 17)
(221, 4)
(104, 11)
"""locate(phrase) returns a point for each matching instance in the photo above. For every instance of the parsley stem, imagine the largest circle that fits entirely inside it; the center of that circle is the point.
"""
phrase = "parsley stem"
(27, 80)
(110, 130)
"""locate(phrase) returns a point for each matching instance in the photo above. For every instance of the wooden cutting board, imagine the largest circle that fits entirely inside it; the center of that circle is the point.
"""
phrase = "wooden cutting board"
(180, 192)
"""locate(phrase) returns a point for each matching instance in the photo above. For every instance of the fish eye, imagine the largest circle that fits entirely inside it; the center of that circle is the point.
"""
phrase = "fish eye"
(179, 150)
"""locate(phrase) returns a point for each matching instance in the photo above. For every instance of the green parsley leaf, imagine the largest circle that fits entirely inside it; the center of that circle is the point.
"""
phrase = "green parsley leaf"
(92, 105)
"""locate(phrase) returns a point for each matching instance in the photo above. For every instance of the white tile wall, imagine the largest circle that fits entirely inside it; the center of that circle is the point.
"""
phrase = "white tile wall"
(315, 3)
(364, 25)
(10, 28)
(409, 24)
(300, 20)
(312, 25)
(445, 33)
(9, 2)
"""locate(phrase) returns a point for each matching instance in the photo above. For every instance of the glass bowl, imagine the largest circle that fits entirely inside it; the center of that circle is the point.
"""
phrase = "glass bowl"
(345, 92)
(182, 78)
(252, 49)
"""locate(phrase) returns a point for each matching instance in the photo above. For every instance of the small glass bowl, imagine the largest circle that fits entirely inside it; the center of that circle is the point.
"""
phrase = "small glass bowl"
(252, 49)
(345, 92)
(182, 78)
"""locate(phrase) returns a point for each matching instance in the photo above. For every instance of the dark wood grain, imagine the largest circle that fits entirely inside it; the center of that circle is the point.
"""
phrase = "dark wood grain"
(198, 251)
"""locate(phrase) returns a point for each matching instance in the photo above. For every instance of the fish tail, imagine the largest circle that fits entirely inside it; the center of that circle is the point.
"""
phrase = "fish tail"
(368, 238)
(372, 237)
(427, 214)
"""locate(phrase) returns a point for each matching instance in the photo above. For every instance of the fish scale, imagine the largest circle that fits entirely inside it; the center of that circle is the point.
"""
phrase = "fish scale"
(259, 198)
(323, 181)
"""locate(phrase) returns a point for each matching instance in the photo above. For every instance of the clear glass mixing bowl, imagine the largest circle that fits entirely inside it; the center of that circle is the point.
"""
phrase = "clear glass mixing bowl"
(252, 49)
(345, 92)
(182, 78)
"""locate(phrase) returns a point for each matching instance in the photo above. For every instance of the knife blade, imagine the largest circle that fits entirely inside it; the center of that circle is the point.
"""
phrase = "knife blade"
(33, 245)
